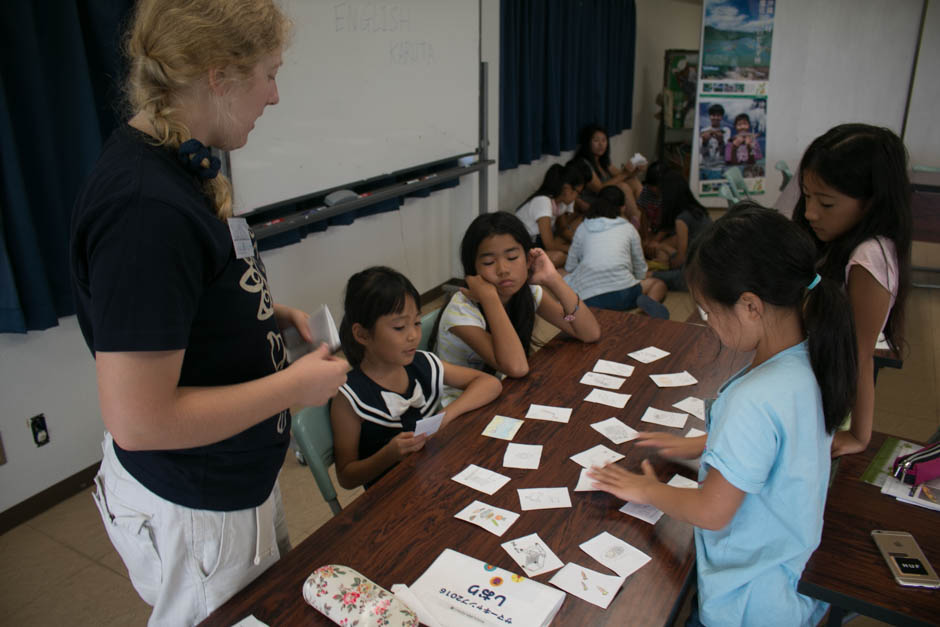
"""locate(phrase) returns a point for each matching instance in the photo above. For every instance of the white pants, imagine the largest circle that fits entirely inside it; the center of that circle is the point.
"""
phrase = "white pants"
(185, 562)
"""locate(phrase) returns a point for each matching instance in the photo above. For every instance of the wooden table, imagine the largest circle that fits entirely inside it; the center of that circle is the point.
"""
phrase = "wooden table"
(847, 569)
(396, 529)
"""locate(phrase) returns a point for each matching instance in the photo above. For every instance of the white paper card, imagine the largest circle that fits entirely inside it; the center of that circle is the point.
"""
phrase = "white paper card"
(585, 483)
(613, 367)
(648, 354)
(615, 554)
(481, 479)
(646, 513)
(605, 397)
(532, 555)
(522, 456)
(587, 584)
(502, 428)
(598, 456)
(665, 418)
(678, 481)
(638, 160)
(602, 380)
(429, 425)
(692, 405)
(674, 379)
(615, 430)
(546, 412)
(694, 433)
(493, 519)
(543, 498)
(322, 330)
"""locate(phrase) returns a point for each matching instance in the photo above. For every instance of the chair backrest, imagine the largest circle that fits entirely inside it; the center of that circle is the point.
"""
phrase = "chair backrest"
(427, 324)
(314, 436)
(736, 178)
(785, 171)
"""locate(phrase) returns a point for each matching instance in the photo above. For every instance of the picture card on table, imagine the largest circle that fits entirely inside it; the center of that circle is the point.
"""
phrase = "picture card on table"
(613, 367)
(694, 433)
(615, 554)
(481, 479)
(664, 418)
(692, 405)
(493, 519)
(599, 380)
(678, 481)
(543, 498)
(546, 412)
(598, 456)
(522, 456)
(587, 584)
(605, 397)
(615, 430)
(646, 513)
(649, 354)
(429, 425)
(502, 428)
(673, 379)
(585, 483)
(532, 555)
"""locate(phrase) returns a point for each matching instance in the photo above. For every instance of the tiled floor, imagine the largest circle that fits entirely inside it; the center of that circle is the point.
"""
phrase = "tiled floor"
(59, 568)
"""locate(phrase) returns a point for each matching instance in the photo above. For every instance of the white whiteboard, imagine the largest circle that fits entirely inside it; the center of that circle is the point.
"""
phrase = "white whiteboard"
(367, 88)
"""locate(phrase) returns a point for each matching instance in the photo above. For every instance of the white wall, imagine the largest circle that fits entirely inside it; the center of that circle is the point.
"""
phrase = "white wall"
(923, 132)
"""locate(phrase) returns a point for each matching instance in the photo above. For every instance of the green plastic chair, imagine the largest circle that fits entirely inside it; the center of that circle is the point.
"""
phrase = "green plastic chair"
(785, 171)
(427, 323)
(736, 179)
(314, 436)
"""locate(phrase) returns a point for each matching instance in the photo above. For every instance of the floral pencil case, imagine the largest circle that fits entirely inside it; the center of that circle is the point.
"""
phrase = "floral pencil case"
(348, 598)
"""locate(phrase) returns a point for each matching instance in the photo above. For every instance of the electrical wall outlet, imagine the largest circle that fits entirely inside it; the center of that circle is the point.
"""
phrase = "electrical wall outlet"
(38, 426)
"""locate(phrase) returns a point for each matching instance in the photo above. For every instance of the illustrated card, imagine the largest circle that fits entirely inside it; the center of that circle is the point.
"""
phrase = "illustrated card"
(522, 456)
(692, 405)
(615, 430)
(665, 418)
(613, 367)
(546, 412)
(615, 554)
(605, 397)
(599, 380)
(493, 519)
(598, 455)
(585, 483)
(587, 584)
(502, 428)
(481, 479)
(646, 513)
(674, 379)
(649, 354)
(429, 425)
(694, 433)
(543, 498)
(532, 555)
(678, 481)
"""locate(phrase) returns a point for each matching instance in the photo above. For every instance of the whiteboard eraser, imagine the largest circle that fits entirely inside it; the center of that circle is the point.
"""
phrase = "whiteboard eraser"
(340, 195)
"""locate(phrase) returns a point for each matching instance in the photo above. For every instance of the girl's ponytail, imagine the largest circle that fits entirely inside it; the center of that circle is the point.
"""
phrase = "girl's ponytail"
(833, 352)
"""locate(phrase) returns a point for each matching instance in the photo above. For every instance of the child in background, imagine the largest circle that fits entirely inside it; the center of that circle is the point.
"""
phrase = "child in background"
(856, 203)
(758, 510)
(606, 265)
(538, 213)
(392, 384)
(594, 150)
(489, 324)
(683, 218)
(568, 221)
(660, 252)
(743, 147)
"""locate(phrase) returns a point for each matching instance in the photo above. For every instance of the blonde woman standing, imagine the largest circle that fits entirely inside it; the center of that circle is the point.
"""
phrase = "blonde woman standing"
(191, 369)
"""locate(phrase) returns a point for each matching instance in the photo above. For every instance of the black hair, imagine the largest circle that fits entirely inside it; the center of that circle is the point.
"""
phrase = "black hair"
(521, 306)
(556, 177)
(375, 292)
(677, 197)
(743, 116)
(654, 173)
(603, 208)
(583, 168)
(716, 108)
(758, 250)
(614, 195)
(868, 163)
(584, 148)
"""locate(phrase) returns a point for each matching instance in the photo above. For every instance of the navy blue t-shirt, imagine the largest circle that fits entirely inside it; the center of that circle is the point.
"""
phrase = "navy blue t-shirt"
(153, 269)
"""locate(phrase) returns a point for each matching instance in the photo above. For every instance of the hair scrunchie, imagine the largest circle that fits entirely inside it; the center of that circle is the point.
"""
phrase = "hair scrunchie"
(814, 282)
(192, 153)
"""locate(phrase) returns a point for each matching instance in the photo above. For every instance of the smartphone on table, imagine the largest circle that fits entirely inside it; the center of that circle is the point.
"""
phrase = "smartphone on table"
(907, 562)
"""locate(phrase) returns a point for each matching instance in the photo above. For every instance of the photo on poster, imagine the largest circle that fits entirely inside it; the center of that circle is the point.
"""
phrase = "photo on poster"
(732, 133)
(737, 39)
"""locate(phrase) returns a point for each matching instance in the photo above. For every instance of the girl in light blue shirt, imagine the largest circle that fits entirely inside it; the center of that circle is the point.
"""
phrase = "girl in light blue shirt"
(765, 459)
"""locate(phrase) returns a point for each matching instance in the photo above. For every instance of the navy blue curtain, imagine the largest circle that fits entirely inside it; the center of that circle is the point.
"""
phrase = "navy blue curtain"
(563, 64)
(59, 69)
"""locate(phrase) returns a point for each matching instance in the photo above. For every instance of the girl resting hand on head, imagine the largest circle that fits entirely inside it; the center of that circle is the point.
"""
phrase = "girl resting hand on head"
(489, 324)
(856, 204)
(758, 508)
(392, 384)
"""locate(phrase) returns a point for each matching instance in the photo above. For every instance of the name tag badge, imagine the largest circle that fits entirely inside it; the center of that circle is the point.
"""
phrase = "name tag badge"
(241, 238)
